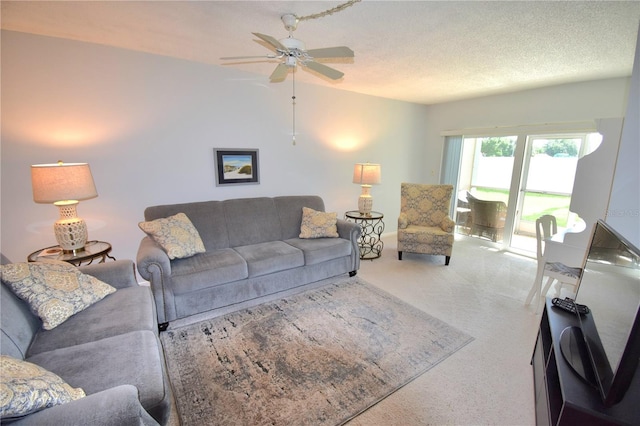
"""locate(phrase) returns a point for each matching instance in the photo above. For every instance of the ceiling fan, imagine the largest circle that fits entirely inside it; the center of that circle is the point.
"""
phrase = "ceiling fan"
(293, 52)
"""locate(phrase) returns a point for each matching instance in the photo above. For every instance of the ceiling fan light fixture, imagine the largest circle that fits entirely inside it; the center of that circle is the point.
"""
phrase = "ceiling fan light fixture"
(290, 61)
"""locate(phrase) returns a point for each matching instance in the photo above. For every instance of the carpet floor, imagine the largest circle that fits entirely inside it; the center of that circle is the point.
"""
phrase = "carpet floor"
(320, 357)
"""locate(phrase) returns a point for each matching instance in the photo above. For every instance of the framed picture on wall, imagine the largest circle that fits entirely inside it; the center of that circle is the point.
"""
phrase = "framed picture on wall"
(236, 166)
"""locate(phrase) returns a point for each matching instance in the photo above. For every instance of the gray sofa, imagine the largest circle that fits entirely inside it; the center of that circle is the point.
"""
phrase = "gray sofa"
(253, 250)
(111, 350)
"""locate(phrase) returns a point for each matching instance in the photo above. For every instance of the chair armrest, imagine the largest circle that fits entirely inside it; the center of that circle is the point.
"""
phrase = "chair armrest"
(118, 406)
(403, 221)
(119, 274)
(447, 224)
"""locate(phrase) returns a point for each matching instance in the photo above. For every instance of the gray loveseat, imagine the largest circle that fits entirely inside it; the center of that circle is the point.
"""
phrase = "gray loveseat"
(253, 250)
(111, 350)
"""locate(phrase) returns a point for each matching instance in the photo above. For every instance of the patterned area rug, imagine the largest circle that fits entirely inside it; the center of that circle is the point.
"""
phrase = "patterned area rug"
(316, 358)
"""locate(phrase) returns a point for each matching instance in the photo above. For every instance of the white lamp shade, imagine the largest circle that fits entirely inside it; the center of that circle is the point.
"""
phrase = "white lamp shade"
(61, 182)
(367, 174)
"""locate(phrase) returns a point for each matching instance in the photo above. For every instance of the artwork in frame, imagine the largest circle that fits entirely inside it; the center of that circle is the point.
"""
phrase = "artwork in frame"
(236, 166)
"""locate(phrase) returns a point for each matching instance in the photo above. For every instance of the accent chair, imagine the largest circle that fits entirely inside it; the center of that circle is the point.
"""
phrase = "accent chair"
(424, 224)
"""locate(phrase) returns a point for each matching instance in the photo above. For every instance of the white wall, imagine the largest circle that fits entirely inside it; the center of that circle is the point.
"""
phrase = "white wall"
(624, 207)
(148, 124)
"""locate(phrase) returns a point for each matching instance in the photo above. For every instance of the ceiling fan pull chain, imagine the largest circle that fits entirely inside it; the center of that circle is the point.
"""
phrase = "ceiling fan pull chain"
(293, 103)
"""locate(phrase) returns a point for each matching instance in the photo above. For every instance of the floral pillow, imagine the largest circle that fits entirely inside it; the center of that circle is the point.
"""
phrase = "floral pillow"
(26, 388)
(317, 224)
(176, 235)
(54, 290)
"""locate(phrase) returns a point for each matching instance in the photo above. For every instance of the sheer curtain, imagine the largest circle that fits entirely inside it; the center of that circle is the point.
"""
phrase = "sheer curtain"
(451, 166)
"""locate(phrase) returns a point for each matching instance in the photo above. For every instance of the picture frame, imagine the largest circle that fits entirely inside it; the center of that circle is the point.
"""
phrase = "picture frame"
(236, 166)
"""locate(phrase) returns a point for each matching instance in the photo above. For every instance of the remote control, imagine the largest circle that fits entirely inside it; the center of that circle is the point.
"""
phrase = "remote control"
(570, 306)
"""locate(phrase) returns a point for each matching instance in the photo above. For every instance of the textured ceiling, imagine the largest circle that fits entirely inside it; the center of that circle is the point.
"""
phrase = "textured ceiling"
(418, 51)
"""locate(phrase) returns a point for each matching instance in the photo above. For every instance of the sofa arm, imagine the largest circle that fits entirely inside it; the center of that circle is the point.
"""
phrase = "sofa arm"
(348, 230)
(151, 256)
(119, 274)
(351, 231)
(154, 266)
(118, 406)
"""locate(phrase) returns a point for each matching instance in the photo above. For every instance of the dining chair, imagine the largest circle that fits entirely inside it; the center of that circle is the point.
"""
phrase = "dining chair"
(546, 227)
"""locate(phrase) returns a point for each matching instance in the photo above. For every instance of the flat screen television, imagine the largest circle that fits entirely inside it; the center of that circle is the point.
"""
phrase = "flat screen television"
(610, 287)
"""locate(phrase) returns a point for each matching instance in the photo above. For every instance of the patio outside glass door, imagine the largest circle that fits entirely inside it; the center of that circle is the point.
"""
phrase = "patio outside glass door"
(532, 175)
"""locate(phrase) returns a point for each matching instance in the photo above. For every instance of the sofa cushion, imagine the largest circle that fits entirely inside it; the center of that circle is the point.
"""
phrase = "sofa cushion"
(206, 216)
(176, 235)
(133, 358)
(317, 224)
(207, 270)
(26, 388)
(321, 249)
(128, 309)
(290, 212)
(251, 221)
(54, 290)
(273, 256)
(19, 324)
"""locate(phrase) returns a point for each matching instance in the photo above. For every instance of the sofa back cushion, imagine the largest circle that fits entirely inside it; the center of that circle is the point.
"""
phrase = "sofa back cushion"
(207, 216)
(242, 221)
(251, 221)
(19, 325)
(290, 212)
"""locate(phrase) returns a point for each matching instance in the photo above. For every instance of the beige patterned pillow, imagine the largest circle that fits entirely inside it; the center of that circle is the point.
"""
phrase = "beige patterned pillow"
(317, 224)
(176, 234)
(54, 290)
(26, 388)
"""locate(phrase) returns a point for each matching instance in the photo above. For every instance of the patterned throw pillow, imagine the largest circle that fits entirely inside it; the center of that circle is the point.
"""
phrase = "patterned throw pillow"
(317, 224)
(176, 234)
(26, 388)
(54, 290)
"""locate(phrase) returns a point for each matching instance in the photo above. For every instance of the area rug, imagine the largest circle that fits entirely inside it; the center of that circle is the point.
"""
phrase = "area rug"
(316, 358)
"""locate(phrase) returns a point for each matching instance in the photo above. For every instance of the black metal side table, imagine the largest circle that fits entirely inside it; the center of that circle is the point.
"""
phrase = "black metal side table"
(92, 250)
(370, 241)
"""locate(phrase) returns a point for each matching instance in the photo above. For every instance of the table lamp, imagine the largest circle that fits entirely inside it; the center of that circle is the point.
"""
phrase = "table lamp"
(365, 175)
(64, 185)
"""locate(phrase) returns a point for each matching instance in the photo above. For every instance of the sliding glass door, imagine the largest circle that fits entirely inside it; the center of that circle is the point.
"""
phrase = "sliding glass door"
(514, 179)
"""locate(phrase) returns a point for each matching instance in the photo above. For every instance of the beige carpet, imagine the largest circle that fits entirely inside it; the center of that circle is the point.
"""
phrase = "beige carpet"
(316, 358)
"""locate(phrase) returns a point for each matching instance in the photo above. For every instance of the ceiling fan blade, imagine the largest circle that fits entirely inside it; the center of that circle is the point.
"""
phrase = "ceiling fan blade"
(324, 70)
(331, 52)
(226, 58)
(272, 41)
(279, 74)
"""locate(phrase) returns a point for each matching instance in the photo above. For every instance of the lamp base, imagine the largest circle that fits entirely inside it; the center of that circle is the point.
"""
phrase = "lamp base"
(365, 201)
(70, 230)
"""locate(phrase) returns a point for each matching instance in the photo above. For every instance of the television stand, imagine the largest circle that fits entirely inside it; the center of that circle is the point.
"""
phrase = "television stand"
(562, 396)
